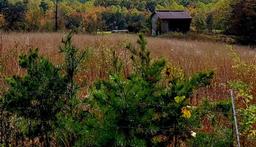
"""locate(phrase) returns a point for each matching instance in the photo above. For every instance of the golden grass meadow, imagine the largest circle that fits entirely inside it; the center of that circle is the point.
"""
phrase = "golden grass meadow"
(189, 56)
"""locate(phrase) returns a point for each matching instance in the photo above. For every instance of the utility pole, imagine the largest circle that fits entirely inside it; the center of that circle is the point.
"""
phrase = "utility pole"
(1, 44)
(56, 15)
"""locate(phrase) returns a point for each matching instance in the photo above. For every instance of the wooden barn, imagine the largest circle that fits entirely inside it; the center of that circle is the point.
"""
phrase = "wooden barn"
(170, 21)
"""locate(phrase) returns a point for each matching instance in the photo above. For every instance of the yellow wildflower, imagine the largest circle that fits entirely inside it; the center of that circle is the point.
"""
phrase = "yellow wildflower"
(186, 112)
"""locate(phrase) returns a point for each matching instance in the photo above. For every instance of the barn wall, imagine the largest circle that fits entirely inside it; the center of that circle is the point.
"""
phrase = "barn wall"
(154, 20)
(169, 25)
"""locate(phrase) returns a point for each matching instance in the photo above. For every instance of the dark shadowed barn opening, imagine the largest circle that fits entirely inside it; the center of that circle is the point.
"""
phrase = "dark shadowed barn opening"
(170, 21)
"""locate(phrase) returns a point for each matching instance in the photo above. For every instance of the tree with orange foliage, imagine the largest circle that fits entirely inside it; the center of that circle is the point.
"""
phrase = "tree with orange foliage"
(92, 19)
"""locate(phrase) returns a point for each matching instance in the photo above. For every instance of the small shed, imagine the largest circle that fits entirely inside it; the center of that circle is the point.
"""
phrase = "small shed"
(164, 21)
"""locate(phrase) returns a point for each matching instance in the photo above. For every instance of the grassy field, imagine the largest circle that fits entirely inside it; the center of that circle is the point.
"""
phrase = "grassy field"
(189, 56)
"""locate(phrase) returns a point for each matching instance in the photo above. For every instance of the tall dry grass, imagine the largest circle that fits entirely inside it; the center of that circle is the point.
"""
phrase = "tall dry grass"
(191, 56)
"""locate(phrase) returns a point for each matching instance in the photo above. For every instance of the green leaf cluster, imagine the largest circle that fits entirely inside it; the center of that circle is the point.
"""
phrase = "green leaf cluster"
(212, 123)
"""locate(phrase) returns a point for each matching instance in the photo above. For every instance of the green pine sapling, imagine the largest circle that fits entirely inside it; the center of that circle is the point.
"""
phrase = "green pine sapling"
(140, 110)
(45, 96)
(37, 96)
(69, 127)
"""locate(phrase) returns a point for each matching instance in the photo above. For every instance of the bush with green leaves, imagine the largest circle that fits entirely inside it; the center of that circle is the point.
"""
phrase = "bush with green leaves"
(247, 112)
(200, 23)
(147, 108)
(212, 123)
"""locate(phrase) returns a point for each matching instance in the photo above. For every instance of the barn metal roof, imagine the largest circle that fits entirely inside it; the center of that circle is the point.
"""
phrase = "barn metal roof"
(173, 14)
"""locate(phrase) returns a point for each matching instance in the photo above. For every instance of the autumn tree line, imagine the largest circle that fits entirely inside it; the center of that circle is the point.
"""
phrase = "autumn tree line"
(232, 17)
